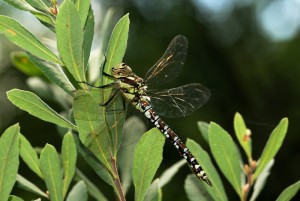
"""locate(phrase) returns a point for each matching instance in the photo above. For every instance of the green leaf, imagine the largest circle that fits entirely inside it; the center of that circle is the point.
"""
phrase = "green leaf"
(117, 45)
(22, 5)
(9, 160)
(20, 36)
(90, 120)
(78, 192)
(146, 160)
(226, 155)
(70, 39)
(29, 156)
(92, 189)
(261, 180)
(54, 73)
(22, 63)
(68, 156)
(217, 191)
(82, 6)
(289, 192)
(242, 134)
(272, 147)
(195, 191)
(50, 166)
(38, 4)
(169, 173)
(132, 131)
(94, 162)
(32, 104)
(203, 127)
(14, 198)
(29, 186)
(88, 37)
(154, 192)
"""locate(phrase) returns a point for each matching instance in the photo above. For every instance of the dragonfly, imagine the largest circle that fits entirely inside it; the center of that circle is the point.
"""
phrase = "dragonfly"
(175, 102)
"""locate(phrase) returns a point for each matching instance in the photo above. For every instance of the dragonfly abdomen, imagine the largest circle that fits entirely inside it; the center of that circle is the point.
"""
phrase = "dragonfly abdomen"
(144, 106)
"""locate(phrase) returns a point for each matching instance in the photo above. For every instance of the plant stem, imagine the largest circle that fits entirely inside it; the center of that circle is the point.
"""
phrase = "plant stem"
(118, 189)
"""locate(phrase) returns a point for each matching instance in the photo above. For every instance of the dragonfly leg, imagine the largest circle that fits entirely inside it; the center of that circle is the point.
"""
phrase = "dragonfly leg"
(110, 98)
(100, 87)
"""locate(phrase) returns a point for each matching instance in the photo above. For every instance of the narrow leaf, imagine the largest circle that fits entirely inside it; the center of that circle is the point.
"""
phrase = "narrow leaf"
(17, 34)
(154, 192)
(78, 192)
(272, 147)
(242, 135)
(69, 156)
(22, 5)
(261, 180)
(195, 191)
(9, 160)
(88, 37)
(117, 45)
(29, 186)
(50, 166)
(29, 156)
(70, 39)
(217, 191)
(14, 198)
(54, 73)
(203, 127)
(82, 6)
(146, 160)
(289, 192)
(92, 189)
(169, 173)
(226, 155)
(32, 104)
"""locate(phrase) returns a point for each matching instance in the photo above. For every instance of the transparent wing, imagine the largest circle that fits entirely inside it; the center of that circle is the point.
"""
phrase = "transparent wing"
(180, 101)
(169, 66)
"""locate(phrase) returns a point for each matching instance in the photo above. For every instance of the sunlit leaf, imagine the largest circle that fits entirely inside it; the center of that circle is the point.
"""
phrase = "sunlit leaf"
(9, 160)
(54, 73)
(32, 104)
(117, 45)
(242, 135)
(69, 34)
(29, 156)
(289, 192)
(272, 147)
(50, 166)
(146, 160)
(217, 191)
(94, 163)
(226, 155)
(78, 192)
(68, 156)
(17, 34)
(88, 37)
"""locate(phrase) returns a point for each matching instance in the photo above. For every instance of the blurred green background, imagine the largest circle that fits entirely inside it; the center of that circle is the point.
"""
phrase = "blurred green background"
(244, 51)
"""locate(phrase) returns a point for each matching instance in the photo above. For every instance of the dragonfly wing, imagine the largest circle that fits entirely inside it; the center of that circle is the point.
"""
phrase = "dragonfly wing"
(169, 66)
(180, 101)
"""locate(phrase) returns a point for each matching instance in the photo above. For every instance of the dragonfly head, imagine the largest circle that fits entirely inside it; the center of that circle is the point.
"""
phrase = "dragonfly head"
(121, 70)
